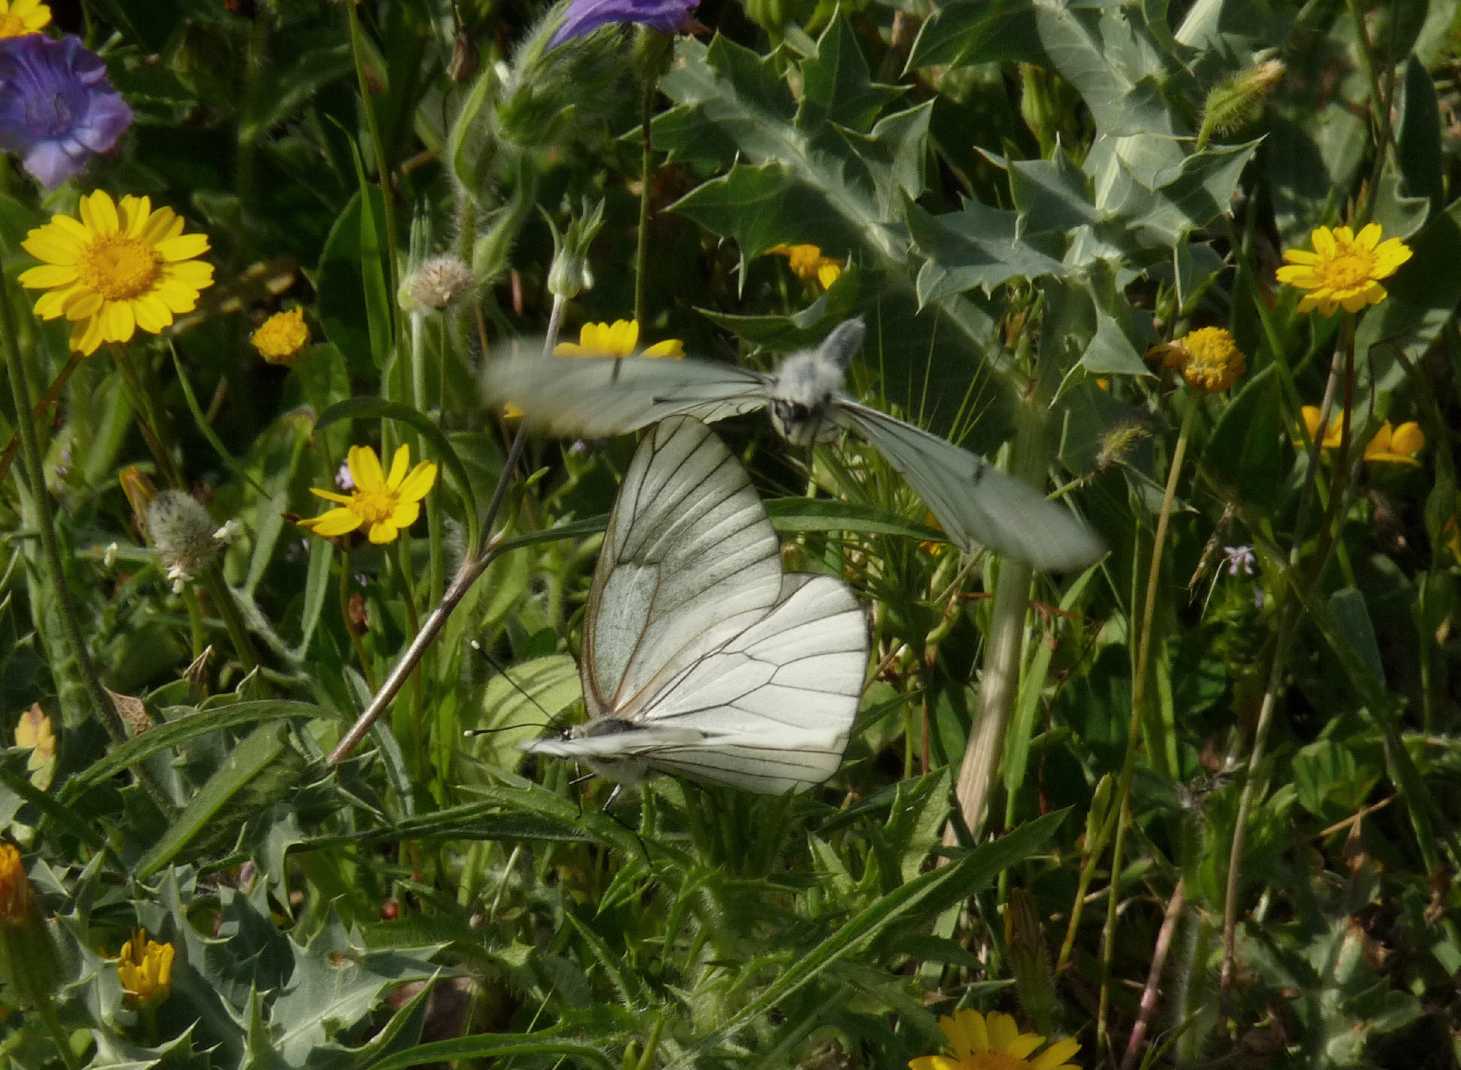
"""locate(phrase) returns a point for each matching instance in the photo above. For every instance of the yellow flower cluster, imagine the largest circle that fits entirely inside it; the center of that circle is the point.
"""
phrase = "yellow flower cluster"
(1388, 445)
(145, 969)
(977, 1042)
(280, 337)
(1208, 359)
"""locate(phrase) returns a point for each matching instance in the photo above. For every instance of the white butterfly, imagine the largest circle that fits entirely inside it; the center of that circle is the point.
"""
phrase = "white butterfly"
(977, 504)
(700, 656)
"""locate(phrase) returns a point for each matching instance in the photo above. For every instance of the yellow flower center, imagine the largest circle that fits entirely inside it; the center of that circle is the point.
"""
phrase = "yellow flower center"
(11, 26)
(118, 267)
(1350, 266)
(374, 505)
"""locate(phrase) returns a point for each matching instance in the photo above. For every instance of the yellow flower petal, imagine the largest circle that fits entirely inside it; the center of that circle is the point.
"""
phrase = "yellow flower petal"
(1408, 438)
(1322, 239)
(335, 522)
(421, 480)
(120, 323)
(1002, 1031)
(48, 275)
(153, 315)
(184, 247)
(1389, 256)
(1300, 256)
(1368, 237)
(383, 531)
(86, 336)
(365, 469)
(670, 347)
(84, 304)
(331, 496)
(52, 245)
(99, 213)
(405, 514)
(399, 462)
(1056, 1055)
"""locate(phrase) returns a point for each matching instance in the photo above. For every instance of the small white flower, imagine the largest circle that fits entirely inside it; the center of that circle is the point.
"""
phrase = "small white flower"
(343, 479)
(1240, 557)
(109, 555)
(228, 533)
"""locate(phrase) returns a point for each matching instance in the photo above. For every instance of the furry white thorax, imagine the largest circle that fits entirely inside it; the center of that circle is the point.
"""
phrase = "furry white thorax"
(801, 395)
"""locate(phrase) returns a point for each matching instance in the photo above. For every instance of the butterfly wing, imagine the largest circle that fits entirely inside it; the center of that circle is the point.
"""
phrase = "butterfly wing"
(595, 397)
(689, 561)
(768, 711)
(976, 504)
(772, 708)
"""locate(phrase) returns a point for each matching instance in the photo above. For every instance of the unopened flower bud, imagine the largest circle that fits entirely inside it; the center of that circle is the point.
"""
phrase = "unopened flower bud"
(182, 532)
(29, 963)
(570, 274)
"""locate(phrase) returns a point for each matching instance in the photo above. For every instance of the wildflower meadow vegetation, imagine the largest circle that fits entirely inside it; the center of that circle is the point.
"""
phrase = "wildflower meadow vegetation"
(283, 594)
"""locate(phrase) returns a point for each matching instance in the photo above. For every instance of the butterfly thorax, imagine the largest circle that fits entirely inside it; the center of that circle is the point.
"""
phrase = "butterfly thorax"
(801, 398)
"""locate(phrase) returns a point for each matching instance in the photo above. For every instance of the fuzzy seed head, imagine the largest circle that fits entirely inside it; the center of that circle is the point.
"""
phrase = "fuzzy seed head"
(438, 283)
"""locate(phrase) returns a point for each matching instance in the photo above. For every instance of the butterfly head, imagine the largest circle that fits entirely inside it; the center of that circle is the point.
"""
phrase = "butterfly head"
(807, 384)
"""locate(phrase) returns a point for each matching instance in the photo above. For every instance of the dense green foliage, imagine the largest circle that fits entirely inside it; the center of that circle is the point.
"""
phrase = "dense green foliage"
(1195, 806)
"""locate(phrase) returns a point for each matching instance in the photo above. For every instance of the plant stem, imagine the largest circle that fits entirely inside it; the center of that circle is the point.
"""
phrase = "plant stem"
(641, 254)
(30, 454)
(1122, 806)
(47, 1012)
(473, 565)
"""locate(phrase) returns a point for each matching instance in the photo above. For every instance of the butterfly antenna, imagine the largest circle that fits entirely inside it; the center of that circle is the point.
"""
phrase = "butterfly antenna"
(549, 722)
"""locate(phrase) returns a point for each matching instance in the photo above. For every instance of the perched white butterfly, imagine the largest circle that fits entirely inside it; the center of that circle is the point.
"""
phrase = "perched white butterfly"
(701, 657)
(977, 504)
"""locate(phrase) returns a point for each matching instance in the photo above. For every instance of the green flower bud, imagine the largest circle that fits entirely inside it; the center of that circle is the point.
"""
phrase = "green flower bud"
(570, 274)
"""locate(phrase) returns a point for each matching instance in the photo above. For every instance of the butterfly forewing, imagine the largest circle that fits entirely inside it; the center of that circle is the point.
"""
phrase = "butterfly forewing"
(595, 397)
(689, 560)
(975, 502)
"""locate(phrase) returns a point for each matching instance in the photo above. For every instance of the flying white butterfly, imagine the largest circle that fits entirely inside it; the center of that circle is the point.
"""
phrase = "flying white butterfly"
(976, 504)
(702, 658)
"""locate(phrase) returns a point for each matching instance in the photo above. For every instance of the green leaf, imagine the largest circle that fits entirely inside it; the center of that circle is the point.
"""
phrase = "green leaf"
(968, 32)
(837, 85)
(252, 764)
(954, 882)
(1422, 293)
(1419, 136)
(974, 247)
(1245, 452)
(378, 408)
(340, 283)
(1110, 352)
(182, 725)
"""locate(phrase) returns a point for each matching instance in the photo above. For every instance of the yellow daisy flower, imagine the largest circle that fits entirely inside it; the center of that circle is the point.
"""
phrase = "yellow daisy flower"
(1396, 445)
(616, 339)
(20, 17)
(807, 263)
(120, 267)
(995, 1042)
(387, 503)
(280, 337)
(145, 969)
(1344, 270)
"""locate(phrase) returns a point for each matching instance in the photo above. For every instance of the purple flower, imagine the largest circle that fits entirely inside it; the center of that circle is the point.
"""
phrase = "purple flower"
(585, 16)
(57, 108)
